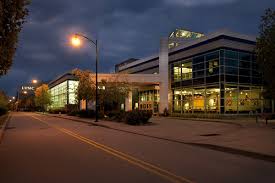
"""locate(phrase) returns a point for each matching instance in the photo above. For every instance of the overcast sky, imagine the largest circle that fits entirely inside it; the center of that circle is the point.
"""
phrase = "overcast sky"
(124, 29)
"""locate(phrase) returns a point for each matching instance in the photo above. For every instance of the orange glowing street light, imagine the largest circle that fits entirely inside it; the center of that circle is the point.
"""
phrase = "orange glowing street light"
(25, 92)
(34, 81)
(75, 41)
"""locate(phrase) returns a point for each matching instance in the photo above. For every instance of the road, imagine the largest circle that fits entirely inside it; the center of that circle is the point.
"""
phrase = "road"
(38, 148)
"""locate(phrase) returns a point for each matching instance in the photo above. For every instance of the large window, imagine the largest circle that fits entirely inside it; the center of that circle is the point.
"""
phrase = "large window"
(177, 72)
(186, 70)
(59, 95)
(72, 91)
(182, 70)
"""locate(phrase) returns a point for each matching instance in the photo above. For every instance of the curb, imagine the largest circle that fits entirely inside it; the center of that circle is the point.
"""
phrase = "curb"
(249, 154)
(78, 120)
(2, 130)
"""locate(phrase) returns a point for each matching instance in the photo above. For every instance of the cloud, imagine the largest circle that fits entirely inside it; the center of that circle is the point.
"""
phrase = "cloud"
(198, 2)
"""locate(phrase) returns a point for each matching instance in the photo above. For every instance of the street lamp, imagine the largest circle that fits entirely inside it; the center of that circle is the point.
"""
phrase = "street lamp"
(34, 81)
(76, 42)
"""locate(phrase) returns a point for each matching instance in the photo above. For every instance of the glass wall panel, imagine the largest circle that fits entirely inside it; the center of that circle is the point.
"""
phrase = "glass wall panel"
(187, 101)
(231, 54)
(59, 95)
(231, 99)
(231, 79)
(212, 56)
(198, 74)
(177, 72)
(245, 72)
(186, 70)
(198, 67)
(231, 70)
(245, 56)
(197, 60)
(244, 64)
(177, 100)
(249, 99)
(72, 91)
(212, 79)
(198, 102)
(231, 62)
(212, 99)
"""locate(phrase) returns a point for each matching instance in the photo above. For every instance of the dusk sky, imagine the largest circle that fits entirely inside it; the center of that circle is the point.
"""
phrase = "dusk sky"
(124, 29)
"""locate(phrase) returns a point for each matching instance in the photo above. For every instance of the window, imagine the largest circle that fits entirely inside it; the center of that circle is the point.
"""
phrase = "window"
(59, 95)
(213, 67)
(245, 64)
(177, 72)
(186, 70)
(245, 72)
(245, 56)
(231, 79)
(231, 54)
(72, 91)
(198, 74)
(199, 59)
(243, 79)
(232, 63)
(198, 67)
(231, 70)
(212, 56)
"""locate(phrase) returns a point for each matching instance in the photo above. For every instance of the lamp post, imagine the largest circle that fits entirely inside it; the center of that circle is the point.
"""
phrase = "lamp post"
(76, 42)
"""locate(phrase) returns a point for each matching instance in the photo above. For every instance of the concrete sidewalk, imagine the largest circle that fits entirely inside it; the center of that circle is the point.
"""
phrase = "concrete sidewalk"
(239, 135)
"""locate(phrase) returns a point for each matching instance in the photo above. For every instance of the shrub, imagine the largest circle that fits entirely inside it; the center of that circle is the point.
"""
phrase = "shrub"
(3, 111)
(57, 111)
(71, 108)
(86, 113)
(137, 117)
(118, 116)
(73, 113)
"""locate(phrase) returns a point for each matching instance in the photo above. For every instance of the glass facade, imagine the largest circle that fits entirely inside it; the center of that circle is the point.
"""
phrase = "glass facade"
(63, 94)
(149, 100)
(221, 81)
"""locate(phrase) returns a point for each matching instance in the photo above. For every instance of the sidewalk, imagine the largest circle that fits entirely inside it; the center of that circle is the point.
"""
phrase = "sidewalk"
(237, 135)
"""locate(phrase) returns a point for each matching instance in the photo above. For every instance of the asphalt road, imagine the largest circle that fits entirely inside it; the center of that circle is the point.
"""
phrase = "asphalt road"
(37, 149)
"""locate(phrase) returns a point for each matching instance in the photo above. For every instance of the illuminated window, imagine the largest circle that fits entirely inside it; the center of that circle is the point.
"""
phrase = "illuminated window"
(186, 70)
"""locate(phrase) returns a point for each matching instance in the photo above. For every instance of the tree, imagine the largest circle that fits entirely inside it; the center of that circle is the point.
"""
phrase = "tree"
(86, 86)
(12, 17)
(27, 103)
(3, 103)
(42, 97)
(265, 50)
(113, 92)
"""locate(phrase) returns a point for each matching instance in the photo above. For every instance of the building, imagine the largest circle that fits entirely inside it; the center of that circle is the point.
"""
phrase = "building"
(214, 73)
(63, 90)
(192, 73)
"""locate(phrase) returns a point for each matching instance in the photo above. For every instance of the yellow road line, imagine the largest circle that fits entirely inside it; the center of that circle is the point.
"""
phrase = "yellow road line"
(142, 164)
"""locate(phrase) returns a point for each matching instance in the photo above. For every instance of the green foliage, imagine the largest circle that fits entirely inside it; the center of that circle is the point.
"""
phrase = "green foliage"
(12, 17)
(114, 93)
(137, 117)
(3, 103)
(265, 50)
(86, 86)
(42, 97)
